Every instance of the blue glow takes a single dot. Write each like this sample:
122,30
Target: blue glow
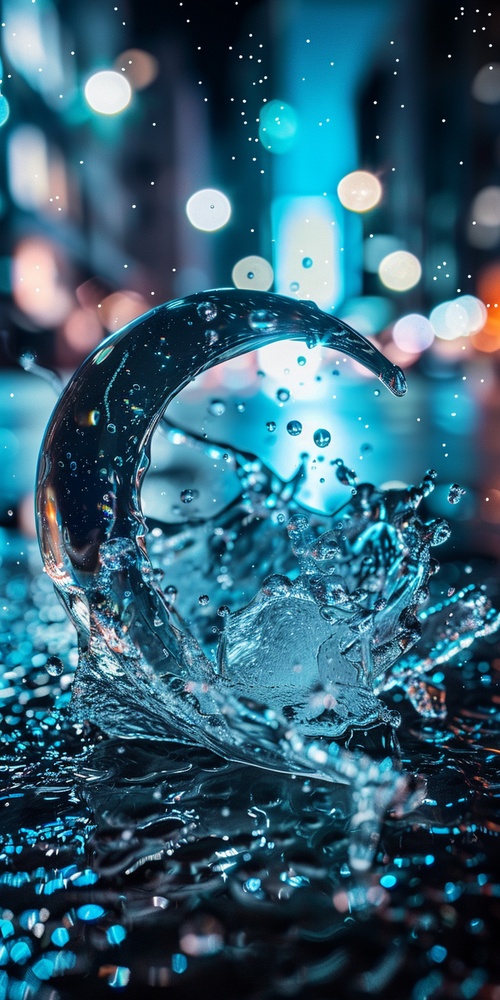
252,884
44,968
59,937
307,234
179,963
91,911
20,952
116,934
4,109
438,953
87,877
388,881
277,126
120,977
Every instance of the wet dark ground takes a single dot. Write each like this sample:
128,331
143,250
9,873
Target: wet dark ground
157,869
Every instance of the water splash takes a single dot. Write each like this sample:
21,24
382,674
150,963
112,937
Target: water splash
310,651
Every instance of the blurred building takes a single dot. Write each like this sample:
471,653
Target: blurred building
271,105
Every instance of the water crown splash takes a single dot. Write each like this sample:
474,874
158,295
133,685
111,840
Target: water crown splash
307,655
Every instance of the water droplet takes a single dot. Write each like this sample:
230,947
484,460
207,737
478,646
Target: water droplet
307,262
301,360
203,599
294,286
262,320
250,274
171,593
345,476
217,407
271,426
283,395
207,311
187,496
322,437
240,407
111,428
455,493
223,611
294,427
54,666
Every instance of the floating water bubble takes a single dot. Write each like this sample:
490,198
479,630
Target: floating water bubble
283,395
203,599
54,666
307,262
187,496
294,427
301,361
217,407
455,493
271,426
322,437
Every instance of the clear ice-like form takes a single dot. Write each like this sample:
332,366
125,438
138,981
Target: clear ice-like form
306,656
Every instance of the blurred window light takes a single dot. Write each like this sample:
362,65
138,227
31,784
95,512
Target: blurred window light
108,92
32,42
400,271
278,125
307,249
486,206
359,191
208,209
4,109
253,272
413,333
375,248
486,84
140,68
37,285
28,167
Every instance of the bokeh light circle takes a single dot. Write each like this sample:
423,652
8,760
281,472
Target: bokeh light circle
413,333
277,126
208,209
108,92
253,272
359,191
486,84
486,206
400,271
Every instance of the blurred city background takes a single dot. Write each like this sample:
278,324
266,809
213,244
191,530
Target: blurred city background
346,151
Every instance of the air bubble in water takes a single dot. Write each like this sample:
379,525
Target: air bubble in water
322,437
211,337
187,496
207,311
54,666
217,407
262,320
294,427
455,493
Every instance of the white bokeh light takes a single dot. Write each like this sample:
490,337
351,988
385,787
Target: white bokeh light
359,191
208,209
458,317
400,271
108,92
413,333
253,272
